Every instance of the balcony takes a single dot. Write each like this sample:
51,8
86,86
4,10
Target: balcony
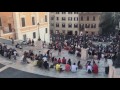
6,30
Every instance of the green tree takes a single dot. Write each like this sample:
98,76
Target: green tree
109,21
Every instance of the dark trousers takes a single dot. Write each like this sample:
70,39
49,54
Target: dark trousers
61,70
2,53
14,57
9,56
106,70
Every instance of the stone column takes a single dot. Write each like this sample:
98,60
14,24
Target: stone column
16,18
1,32
111,72
84,53
38,45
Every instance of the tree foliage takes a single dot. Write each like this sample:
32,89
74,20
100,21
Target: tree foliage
109,21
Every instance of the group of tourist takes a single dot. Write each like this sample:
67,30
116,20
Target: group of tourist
68,64
73,45
59,64
30,42
8,52
92,68
51,62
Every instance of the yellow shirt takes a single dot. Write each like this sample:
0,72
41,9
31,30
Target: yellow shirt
57,67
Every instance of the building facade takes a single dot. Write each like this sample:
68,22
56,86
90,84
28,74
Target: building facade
25,25
74,22
89,22
7,25
64,22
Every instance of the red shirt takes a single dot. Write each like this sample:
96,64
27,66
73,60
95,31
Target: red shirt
59,61
67,67
64,61
95,69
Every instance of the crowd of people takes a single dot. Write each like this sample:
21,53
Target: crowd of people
98,51
28,42
73,44
8,52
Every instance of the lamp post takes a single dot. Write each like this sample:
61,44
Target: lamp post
38,32
44,37
117,61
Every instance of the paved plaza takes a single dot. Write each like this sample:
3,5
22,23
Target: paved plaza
29,69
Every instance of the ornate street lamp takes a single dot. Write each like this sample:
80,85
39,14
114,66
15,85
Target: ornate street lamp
44,37
38,32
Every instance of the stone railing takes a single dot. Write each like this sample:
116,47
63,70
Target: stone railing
114,72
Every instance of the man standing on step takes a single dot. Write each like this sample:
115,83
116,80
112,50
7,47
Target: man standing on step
32,42
15,54
12,41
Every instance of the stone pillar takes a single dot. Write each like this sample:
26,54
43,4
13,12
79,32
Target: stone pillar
38,45
16,18
84,53
114,72
1,32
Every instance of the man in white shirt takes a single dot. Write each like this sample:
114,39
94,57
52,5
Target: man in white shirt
15,54
102,56
89,68
74,68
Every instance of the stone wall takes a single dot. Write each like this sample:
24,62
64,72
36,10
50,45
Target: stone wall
113,72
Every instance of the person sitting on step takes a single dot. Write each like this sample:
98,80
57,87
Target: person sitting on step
63,60
89,68
67,67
